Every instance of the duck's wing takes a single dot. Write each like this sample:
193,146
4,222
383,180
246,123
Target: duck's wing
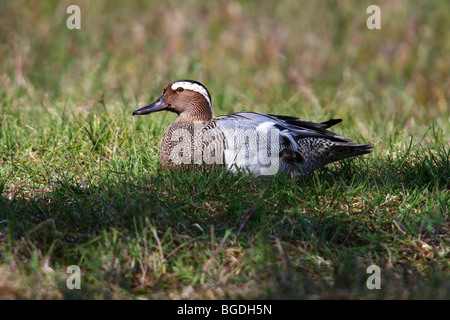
294,145
295,127
308,124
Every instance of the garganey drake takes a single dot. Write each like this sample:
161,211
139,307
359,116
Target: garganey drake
259,143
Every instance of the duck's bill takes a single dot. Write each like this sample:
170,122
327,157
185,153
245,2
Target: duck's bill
158,105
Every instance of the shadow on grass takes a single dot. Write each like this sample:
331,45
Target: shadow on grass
306,238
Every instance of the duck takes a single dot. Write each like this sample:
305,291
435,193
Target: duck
256,143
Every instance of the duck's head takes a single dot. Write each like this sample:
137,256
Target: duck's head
187,98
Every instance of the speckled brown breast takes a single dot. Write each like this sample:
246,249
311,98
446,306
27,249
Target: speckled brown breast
188,143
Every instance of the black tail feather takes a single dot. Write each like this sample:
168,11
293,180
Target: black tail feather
331,122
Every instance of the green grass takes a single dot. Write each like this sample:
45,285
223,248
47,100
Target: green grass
80,181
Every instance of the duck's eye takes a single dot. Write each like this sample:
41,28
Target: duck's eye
180,89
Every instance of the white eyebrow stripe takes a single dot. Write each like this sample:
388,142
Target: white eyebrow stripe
194,87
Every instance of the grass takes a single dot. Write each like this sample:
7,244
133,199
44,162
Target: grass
80,182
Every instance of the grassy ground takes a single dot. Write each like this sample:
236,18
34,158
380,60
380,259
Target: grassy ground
79,176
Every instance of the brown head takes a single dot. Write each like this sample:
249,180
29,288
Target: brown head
187,98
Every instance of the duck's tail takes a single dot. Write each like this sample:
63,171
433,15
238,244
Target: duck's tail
320,152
